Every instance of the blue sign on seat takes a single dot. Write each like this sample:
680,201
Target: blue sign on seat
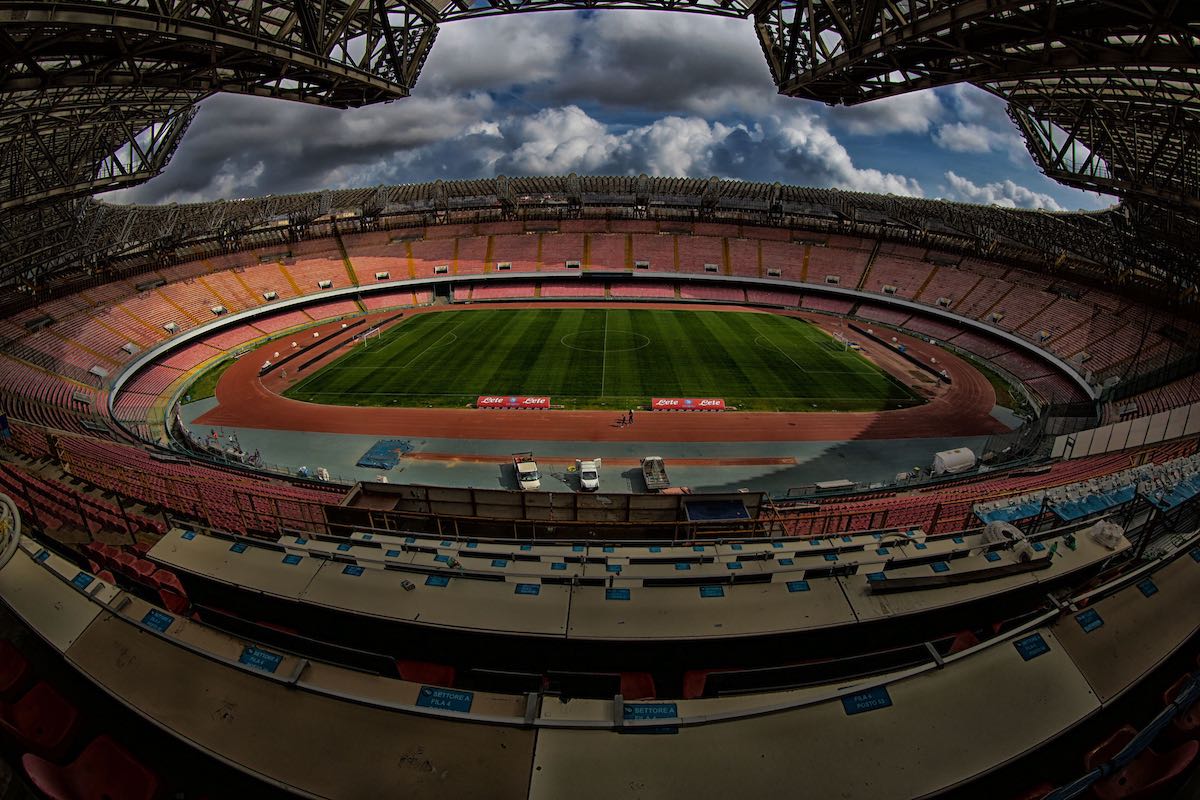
1039,546
410,539
777,545
526,547
445,699
735,547
499,563
301,541
616,594
239,547
712,591
940,566
609,549
797,586
260,659
443,559
82,580
445,543
655,549
472,545
786,562
870,700
437,580
991,556
531,589
651,711
1147,587
291,559
881,551
1089,620
734,565
392,554
1196,554
1031,646
920,545
353,570
612,567
344,548
875,577
699,548
831,557
189,535
957,540
576,548
41,556
681,567
157,620
558,565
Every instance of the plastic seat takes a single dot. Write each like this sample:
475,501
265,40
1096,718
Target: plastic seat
175,603
104,770
42,721
425,672
166,579
1186,724
1145,776
15,672
637,686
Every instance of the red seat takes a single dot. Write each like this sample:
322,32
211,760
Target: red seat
637,686
425,672
1186,724
1143,777
1036,792
175,603
104,769
694,681
165,579
42,721
15,672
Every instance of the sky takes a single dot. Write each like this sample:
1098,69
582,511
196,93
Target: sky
609,93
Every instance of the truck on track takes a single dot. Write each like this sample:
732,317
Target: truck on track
589,474
654,472
528,477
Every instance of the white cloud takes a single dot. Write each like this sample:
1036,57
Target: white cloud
999,193
910,113
963,137
561,140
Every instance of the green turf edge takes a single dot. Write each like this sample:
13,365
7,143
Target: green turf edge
908,398
205,386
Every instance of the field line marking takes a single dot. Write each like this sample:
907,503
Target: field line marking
767,339
604,353
432,345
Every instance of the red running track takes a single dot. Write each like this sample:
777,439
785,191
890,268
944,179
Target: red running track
963,409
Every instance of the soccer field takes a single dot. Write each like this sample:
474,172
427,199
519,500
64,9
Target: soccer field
605,358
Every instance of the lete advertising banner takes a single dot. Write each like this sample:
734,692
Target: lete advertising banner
509,401
687,404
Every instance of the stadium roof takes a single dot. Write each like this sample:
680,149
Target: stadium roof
96,95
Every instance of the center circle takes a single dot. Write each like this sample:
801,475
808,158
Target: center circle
600,340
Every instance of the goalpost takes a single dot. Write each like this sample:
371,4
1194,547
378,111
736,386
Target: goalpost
365,337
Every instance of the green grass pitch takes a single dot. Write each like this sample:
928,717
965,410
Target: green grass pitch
598,358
